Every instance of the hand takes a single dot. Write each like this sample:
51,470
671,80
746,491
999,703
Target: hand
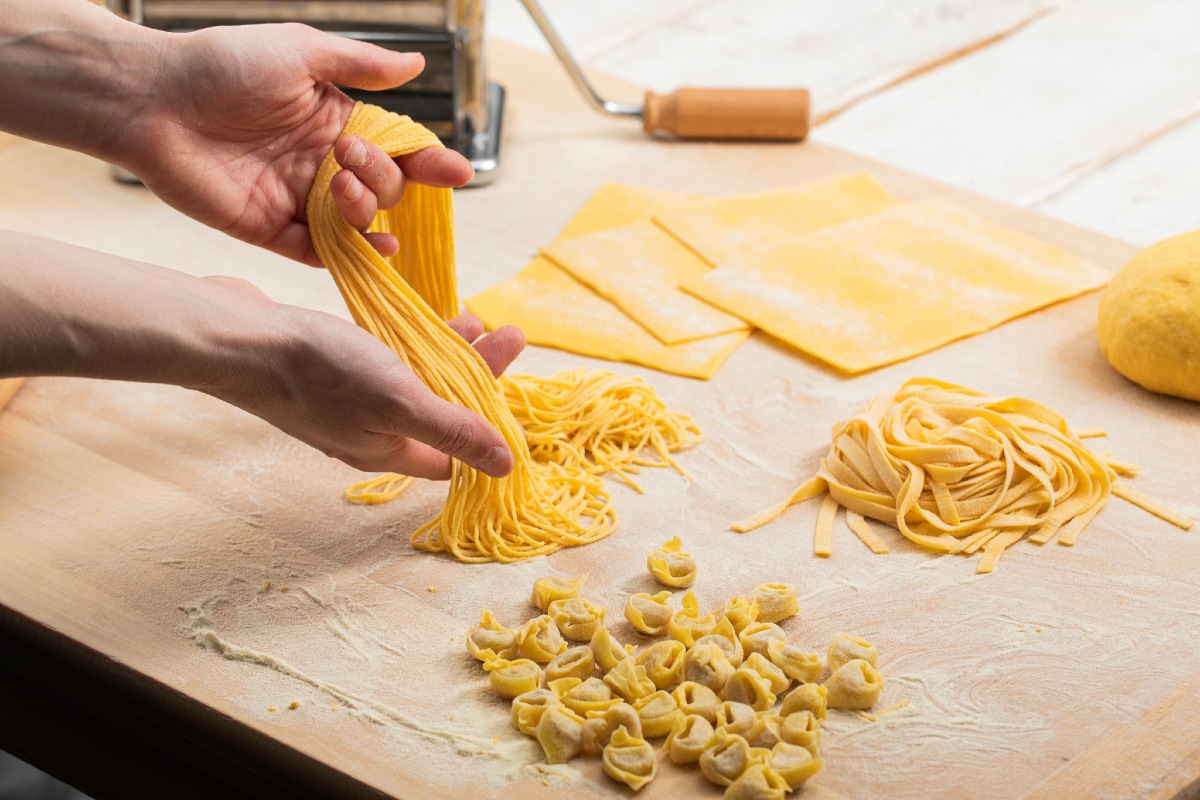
239,118
337,388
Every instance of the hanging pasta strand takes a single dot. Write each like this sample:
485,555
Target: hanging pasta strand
958,471
537,508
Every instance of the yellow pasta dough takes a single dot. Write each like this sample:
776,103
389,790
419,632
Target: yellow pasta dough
560,733
649,613
707,664
629,759
688,624
607,650
896,284
696,698
810,697
739,718
551,587
658,712
775,601
527,709
574,662
794,764
843,647
690,736
540,640
576,618
671,566
803,729
511,678
747,686
639,268
663,662
759,782
959,471
601,725
490,639
854,685
727,758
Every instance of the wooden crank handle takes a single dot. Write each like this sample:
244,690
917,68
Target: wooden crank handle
762,114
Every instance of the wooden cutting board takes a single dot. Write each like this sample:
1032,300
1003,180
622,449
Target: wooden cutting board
139,523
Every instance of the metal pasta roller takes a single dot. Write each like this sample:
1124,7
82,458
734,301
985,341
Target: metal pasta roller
452,97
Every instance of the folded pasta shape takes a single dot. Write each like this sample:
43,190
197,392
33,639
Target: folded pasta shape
601,725
740,611
757,636
747,686
511,678
657,712
758,782
489,639
843,647
728,757
663,661
739,718
706,664
811,697
803,729
772,674
576,618
854,685
776,601
574,662
649,613
549,588
697,699
560,733
629,680
527,709
690,736
607,650
540,640
688,624
797,664
671,566
629,759
794,764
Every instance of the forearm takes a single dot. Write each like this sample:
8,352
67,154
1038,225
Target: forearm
66,310
72,73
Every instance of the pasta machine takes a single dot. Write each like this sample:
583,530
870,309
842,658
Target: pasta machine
452,96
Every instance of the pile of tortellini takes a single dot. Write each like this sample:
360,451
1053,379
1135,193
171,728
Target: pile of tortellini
726,688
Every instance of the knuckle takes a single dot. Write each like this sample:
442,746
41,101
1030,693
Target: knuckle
457,438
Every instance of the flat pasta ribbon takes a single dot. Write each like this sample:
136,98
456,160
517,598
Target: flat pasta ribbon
958,471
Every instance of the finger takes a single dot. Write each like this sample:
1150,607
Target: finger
437,166
501,347
362,65
373,167
385,243
459,433
468,326
357,204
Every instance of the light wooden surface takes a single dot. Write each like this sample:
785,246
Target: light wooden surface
1082,109
133,516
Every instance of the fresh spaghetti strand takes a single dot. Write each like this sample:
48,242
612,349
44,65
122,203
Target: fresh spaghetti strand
531,511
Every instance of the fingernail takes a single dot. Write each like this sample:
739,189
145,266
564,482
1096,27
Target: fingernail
356,155
354,190
497,463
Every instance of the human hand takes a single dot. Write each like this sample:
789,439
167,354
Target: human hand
238,119
335,387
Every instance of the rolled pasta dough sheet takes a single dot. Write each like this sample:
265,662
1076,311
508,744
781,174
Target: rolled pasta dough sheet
911,278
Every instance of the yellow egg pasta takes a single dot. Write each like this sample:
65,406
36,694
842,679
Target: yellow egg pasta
404,301
958,471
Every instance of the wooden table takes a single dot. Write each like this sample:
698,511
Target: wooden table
138,523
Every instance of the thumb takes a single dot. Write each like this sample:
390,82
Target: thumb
361,65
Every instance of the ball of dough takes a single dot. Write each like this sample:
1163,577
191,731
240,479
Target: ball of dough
1149,323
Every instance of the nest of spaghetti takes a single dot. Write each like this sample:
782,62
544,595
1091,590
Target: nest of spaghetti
958,471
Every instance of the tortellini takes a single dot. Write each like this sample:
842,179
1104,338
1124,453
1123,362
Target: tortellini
726,760
527,709
649,613
690,736
705,663
539,639
758,782
560,733
776,601
672,567
663,662
511,678
550,588
688,624
601,725
710,687
606,650
657,712
574,662
576,618
843,647
854,685
806,697
490,639
629,759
